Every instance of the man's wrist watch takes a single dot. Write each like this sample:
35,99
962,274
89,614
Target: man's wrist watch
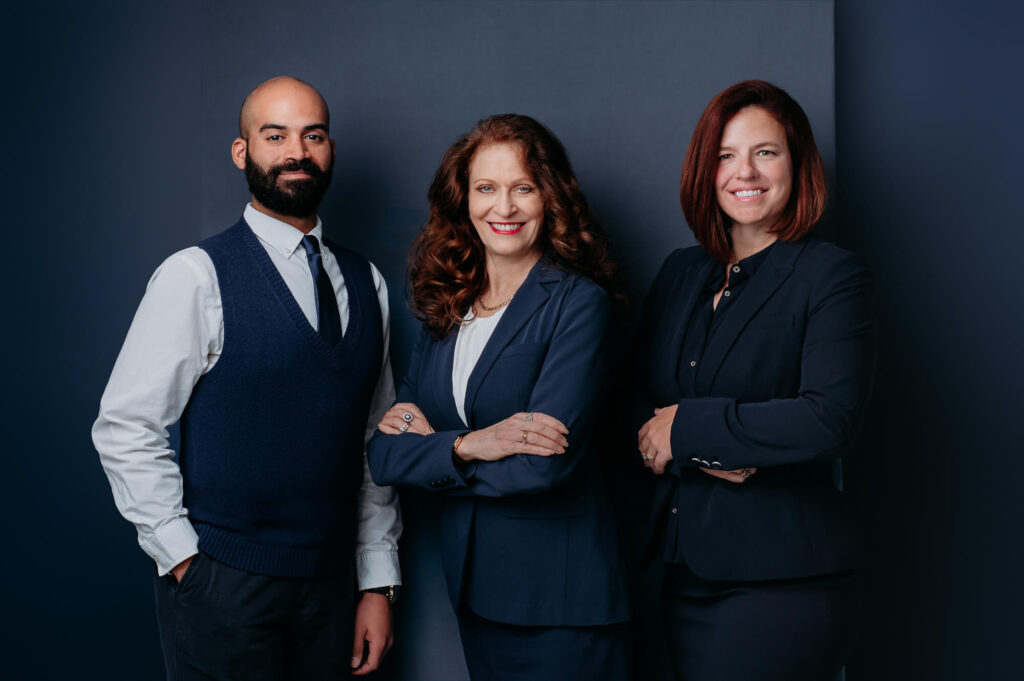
391,592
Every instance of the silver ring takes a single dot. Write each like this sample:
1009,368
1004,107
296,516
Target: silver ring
404,427
647,457
529,417
408,417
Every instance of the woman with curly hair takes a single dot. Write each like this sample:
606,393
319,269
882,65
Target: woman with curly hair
497,413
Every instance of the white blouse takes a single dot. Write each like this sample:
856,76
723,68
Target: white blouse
469,345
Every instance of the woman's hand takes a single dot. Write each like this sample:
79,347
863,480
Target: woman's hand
655,445
523,433
654,439
739,476
404,417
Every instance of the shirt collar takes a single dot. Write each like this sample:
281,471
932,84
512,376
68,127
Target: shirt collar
741,271
279,235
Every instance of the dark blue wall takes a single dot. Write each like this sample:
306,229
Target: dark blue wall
930,178
108,131
102,113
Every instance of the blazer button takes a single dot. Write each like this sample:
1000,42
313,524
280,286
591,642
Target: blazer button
716,464
695,460
705,464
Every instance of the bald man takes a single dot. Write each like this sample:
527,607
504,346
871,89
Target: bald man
270,345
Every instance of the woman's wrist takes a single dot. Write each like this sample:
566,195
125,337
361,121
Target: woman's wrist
456,453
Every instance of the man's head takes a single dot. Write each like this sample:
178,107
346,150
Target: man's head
284,148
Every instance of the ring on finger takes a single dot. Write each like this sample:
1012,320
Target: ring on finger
745,473
524,438
408,417
528,417
404,427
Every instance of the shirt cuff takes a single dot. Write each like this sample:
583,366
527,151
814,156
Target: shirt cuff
377,568
172,543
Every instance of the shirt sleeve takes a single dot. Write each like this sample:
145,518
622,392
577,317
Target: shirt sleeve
380,517
175,337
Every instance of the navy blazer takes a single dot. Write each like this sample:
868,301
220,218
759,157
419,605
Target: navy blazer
782,385
526,540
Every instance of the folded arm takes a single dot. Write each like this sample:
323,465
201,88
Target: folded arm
821,421
567,389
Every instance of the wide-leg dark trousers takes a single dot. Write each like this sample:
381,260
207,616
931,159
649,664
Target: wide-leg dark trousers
225,624
786,630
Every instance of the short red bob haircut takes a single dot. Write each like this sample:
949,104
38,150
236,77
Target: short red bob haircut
697,187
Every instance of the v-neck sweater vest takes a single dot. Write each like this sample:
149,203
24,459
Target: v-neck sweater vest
272,437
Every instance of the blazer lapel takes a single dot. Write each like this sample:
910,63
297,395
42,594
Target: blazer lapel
686,292
531,295
762,285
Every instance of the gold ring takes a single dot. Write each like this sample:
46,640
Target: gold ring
524,438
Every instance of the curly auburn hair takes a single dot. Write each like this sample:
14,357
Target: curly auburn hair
697,187
447,261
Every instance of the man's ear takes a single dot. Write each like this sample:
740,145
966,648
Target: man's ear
238,149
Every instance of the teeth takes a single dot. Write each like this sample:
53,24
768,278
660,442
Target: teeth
506,226
748,192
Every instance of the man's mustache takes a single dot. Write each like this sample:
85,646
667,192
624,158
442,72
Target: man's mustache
305,165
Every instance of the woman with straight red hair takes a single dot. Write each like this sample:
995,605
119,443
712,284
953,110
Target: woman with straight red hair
757,352
499,410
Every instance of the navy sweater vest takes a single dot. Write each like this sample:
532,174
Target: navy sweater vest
272,437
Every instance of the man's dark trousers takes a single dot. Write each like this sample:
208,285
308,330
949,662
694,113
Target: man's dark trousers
226,624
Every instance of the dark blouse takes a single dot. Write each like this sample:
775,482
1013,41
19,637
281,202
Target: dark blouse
700,332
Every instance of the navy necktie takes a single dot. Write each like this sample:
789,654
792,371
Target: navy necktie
328,319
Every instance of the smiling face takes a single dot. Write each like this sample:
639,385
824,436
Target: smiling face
755,172
284,148
505,204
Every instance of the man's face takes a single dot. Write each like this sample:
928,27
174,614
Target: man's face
286,153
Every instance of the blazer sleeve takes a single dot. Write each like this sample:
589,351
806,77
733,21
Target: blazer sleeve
821,422
568,388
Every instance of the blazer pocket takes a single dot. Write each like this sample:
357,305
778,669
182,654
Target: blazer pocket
769,322
523,350
564,505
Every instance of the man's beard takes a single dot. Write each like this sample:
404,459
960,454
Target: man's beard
298,198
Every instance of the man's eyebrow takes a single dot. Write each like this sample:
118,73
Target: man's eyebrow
278,126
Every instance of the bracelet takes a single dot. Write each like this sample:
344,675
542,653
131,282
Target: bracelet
455,446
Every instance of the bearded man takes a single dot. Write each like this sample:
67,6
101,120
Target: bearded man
270,345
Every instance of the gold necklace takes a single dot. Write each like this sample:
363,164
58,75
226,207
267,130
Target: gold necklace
480,302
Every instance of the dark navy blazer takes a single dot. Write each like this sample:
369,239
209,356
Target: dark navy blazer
782,385
526,540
